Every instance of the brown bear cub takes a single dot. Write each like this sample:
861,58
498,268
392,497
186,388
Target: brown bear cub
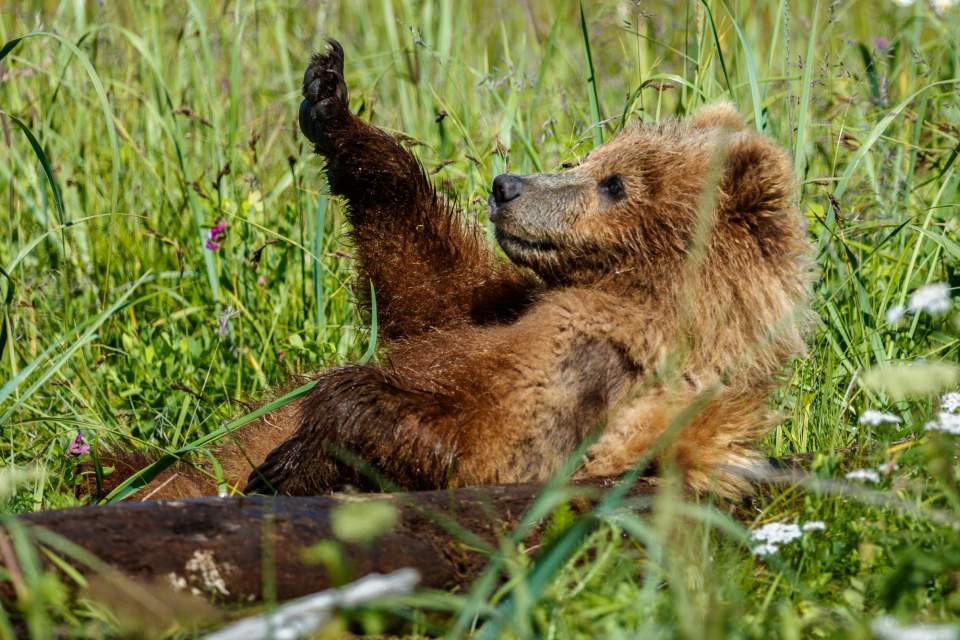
657,289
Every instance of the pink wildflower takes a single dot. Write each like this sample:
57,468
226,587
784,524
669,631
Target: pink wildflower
78,447
217,233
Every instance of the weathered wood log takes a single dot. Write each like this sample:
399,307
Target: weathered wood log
222,547
233,549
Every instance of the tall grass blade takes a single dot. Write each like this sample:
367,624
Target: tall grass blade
592,81
799,149
374,331
7,303
719,48
755,98
321,316
44,163
871,71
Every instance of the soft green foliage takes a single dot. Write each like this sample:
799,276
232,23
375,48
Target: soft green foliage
130,128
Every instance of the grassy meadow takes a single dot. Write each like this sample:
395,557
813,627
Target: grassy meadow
131,129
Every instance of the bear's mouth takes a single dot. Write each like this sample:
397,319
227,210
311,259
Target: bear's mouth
517,246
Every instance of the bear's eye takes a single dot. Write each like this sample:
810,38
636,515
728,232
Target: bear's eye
613,187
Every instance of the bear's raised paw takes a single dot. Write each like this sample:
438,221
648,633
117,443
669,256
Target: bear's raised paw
324,92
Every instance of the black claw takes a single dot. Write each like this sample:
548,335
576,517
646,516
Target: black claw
336,53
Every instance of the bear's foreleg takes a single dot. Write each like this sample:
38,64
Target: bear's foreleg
429,269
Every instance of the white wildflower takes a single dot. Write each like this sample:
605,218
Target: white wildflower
932,298
949,421
946,422
895,314
867,475
876,418
887,628
904,3
950,402
941,6
775,534
765,549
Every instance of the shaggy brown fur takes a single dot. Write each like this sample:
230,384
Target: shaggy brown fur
670,270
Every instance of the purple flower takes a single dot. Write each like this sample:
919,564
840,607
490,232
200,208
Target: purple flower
217,233
78,447
881,44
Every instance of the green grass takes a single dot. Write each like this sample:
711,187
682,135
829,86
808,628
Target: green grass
128,129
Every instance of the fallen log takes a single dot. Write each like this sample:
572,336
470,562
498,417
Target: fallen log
232,550
245,550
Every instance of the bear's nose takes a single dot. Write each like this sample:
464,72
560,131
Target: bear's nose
506,187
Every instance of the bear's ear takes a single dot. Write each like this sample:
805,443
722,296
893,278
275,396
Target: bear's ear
719,115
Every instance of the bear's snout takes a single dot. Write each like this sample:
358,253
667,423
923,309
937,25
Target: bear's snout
506,187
